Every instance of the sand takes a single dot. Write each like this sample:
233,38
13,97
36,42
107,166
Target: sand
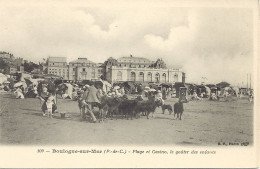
204,123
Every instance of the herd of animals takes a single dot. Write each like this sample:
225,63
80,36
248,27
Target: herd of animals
110,107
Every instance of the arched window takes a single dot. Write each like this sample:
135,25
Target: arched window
119,76
164,77
141,76
132,76
175,77
149,77
157,77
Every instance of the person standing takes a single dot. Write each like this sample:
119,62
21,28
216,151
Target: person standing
164,96
92,97
43,98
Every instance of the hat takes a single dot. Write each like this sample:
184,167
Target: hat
44,89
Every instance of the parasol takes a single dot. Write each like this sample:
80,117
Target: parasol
18,84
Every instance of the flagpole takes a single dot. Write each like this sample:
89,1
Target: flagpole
247,81
250,80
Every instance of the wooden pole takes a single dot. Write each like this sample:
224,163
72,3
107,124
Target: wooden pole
250,80
247,81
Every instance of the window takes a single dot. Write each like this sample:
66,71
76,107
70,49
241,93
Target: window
149,77
84,69
132,76
141,76
74,69
164,77
175,77
157,77
119,75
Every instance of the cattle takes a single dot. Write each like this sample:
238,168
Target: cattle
178,109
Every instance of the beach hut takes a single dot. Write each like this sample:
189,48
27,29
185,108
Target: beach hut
2,78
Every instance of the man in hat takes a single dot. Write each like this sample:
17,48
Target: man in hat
92,96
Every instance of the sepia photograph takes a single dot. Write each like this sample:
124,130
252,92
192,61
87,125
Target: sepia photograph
127,73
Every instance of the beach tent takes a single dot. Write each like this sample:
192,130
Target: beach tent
20,84
68,91
30,81
207,90
2,78
106,86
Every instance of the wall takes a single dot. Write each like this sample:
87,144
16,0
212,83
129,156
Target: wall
171,75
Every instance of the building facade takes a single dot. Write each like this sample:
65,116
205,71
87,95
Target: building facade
58,66
83,69
123,74
138,69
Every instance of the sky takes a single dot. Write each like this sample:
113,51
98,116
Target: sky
216,43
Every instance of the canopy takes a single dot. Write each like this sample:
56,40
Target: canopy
116,87
98,84
20,84
30,81
6,82
147,88
2,78
166,84
106,86
69,90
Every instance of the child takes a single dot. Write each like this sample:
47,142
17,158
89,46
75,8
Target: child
50,105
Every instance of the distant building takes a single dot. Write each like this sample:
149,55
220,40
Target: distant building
101,70
58,66
11,69
13,65
84,69
137,69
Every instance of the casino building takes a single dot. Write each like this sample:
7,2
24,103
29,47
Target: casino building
139,69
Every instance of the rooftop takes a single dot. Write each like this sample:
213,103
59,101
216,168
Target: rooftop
57,59
131,59
82,60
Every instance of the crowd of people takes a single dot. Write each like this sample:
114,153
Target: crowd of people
92,94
